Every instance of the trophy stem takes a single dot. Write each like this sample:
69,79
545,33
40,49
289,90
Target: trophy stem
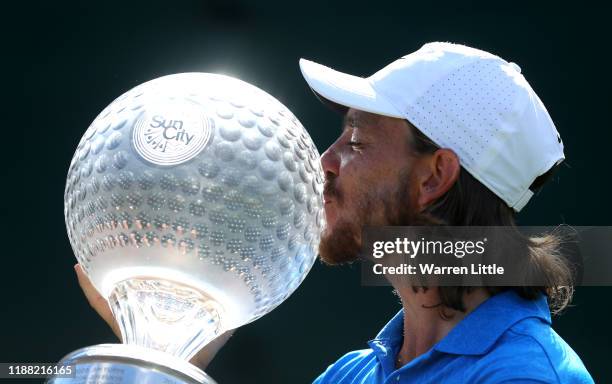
165,315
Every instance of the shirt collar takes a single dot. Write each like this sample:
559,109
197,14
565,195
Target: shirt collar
481,328
388,341
475,334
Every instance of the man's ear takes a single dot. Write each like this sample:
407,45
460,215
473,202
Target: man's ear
439,172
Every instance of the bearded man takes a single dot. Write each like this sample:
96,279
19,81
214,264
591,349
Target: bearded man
447,135
453,135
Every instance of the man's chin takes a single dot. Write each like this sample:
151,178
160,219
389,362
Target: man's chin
340,245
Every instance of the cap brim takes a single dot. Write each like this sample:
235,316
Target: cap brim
344,89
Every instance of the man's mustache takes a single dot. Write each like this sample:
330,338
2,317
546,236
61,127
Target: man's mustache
330,189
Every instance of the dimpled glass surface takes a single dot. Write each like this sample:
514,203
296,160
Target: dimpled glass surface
237,219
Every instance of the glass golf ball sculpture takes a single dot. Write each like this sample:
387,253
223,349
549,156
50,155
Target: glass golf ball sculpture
194,204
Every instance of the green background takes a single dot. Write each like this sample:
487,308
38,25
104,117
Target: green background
78,56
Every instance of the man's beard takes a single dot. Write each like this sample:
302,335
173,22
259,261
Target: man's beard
343,244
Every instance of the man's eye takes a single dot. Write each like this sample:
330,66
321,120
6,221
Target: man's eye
354,144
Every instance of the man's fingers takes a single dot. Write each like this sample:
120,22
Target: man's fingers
96,300
206,354
84,282
91,293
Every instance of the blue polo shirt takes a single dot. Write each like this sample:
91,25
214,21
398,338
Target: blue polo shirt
506,339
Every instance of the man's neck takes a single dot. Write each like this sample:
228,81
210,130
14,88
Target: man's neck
423,324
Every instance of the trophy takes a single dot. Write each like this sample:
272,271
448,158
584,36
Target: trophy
194,204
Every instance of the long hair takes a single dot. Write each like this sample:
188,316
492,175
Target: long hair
469,203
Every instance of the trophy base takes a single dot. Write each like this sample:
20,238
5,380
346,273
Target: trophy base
127,364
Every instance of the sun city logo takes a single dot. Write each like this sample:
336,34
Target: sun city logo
170,130
171,136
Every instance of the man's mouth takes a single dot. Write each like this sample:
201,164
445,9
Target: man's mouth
329,209
330,193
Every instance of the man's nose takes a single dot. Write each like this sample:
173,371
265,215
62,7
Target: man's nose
330,161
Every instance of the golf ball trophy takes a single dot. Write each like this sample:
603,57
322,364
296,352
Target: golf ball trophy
194,205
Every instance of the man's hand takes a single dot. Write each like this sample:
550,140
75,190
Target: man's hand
100,305
96,300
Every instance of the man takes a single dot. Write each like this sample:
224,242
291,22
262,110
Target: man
447,135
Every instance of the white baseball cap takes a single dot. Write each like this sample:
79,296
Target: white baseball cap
464,99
